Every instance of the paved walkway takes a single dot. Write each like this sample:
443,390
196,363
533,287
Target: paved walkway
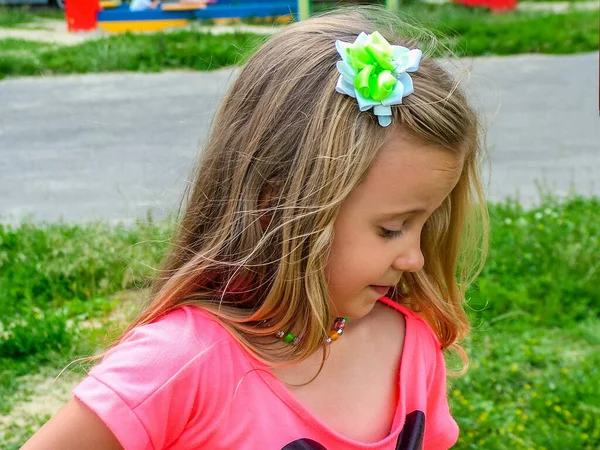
114,146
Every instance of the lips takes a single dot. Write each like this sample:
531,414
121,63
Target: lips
381,290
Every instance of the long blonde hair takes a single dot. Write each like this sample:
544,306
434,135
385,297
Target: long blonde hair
283,131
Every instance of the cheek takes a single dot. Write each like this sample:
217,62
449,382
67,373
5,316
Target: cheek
354,260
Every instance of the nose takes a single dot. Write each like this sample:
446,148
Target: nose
410,260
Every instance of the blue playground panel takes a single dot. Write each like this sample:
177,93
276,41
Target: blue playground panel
122,13
246,8
221,9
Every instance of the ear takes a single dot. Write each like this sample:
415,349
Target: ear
267,200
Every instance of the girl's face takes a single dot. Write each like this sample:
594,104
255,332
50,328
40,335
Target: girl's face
378,229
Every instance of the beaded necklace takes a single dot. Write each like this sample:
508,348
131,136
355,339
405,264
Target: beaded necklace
338,329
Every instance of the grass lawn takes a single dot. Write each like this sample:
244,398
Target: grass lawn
534,348
16,17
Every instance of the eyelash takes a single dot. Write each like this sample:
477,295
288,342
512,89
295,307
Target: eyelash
390,234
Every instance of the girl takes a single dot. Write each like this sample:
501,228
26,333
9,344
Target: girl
319,269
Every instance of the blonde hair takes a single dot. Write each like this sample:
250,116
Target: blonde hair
283,132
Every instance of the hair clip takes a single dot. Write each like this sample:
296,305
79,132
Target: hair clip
375,73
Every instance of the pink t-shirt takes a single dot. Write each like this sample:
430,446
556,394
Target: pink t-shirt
183,382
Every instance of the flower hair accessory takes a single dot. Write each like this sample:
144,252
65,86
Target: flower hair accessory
375,73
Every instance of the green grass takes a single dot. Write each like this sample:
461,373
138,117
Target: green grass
12,45
145,53
543,263
535,345
467,32
17,17
58,273
477,32
13,17
15,435
530,388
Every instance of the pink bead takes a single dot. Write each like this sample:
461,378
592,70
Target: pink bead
339,324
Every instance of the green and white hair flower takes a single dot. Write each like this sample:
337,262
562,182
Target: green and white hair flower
375,73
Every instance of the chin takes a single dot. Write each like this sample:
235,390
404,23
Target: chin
360,311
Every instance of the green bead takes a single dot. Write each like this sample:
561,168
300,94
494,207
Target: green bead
289,338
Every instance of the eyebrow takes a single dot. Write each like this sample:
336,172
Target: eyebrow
395,215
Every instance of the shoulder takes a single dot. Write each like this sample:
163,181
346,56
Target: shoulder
188,325
414,323
172,364
386,318
176,347
178,337
420,341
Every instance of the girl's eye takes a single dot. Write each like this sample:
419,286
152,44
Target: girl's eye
390,234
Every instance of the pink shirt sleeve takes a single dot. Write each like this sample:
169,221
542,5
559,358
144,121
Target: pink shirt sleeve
136,389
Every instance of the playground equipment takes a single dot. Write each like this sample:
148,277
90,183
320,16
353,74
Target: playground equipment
81,16
110,16
121,19
115,17
494,5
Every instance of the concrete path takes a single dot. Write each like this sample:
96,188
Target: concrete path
117,145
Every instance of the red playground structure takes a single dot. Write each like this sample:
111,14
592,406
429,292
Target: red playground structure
494,5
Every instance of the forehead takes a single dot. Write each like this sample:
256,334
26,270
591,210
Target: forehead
407,174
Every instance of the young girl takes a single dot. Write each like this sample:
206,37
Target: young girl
319,269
